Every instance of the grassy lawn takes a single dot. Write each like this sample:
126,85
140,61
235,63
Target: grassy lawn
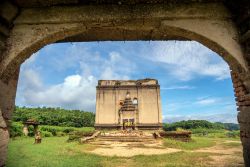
55,152
195,143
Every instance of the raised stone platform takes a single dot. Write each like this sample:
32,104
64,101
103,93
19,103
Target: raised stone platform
125,136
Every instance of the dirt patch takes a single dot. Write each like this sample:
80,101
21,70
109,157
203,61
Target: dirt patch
126,149
221,149
125,152
228,156
223,154
226,161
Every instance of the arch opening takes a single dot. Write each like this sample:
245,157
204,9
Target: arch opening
218,34
167,88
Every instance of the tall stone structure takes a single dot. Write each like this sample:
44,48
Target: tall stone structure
128,104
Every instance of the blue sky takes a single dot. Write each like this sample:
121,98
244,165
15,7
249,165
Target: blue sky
195,82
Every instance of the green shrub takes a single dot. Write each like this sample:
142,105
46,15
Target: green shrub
59,134
205,131
50,129
16,129
233,134
46,134
31,131
68,130
76,135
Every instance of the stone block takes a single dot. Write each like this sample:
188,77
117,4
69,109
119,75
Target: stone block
4,139
8,11
244,116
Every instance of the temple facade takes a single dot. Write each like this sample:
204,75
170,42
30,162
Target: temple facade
128,104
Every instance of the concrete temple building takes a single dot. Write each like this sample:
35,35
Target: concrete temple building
128,104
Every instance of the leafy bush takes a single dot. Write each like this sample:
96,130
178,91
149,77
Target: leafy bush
75,136
180,130
46,134
233,134
67,130
59,134
53,130
16,129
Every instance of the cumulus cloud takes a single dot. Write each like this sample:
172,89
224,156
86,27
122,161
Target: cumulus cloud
207,101
76,91
185,60
184,87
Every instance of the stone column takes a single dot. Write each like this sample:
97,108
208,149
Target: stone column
25,130
121,122
241,84
7,104
4,139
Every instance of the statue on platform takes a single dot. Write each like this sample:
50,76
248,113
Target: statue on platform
38,138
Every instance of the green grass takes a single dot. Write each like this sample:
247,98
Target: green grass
187,159
195,143
61,128
56,152
215,133
231,144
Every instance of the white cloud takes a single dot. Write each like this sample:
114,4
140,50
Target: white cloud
76,91
185,60
207,101
184,87
116,67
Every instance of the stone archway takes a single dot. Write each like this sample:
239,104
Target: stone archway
208,23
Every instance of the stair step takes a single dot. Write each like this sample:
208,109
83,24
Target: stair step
141,137
125,139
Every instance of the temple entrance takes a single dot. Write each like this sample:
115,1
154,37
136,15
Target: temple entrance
128,113
129,124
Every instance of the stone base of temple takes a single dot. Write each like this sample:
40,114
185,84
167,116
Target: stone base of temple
108,126
125,136
149,126
121,127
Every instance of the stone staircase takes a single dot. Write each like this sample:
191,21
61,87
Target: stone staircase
121,136
126,138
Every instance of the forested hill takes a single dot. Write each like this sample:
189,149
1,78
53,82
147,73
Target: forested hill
77,118
194,124
55,116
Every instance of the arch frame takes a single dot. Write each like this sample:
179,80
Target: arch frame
208,23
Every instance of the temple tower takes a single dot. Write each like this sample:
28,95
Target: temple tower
128,104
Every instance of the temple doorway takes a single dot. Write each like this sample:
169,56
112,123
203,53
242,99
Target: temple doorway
129,124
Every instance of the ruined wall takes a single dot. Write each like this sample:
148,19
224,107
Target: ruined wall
110,93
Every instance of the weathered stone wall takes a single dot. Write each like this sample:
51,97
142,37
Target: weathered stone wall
8,11
7,104
241,78
243,102
109,94
36,27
